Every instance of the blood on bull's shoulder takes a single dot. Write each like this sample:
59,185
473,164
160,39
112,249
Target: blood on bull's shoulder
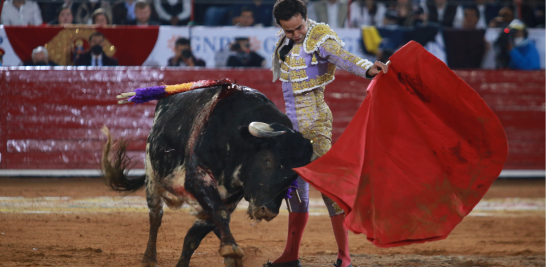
210,148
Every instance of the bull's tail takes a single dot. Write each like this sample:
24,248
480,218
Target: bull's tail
115,169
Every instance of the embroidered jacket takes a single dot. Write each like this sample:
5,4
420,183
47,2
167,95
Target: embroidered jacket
305,71
312,63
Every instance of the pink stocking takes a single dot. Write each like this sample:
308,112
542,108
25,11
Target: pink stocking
296,225
342,239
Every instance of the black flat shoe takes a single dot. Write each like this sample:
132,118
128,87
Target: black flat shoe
295,263
338,263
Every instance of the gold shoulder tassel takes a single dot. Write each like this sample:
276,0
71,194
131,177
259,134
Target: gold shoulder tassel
314,60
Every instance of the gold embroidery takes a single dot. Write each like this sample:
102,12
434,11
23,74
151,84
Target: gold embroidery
314,60
317,35
284,67
315,119
321,80
297,63
285,77
334,48
337,209
296,75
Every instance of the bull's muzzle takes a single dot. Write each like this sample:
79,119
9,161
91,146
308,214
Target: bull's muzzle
264,213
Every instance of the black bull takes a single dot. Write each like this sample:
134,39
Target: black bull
209,148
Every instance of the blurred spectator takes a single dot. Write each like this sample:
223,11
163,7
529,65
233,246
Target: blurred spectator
246,18
262,12
524,11
100,18
471,18
523,52
173,12
217,15
244,57
367,12
514,50
402,9
123,12
51,9
385,50
95,57
143,11
21,12
488,10
418,17
331,12
85,11
506,15
64,16
183,55
445,13
40,58
465,48
423,31
391,17
539,10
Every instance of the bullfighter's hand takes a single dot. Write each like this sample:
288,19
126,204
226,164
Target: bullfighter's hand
377,67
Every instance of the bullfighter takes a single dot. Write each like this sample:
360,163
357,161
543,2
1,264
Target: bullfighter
305,59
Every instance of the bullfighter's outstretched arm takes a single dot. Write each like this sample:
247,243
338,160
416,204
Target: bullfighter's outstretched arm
340,57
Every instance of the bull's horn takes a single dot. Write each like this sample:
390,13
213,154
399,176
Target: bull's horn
263,130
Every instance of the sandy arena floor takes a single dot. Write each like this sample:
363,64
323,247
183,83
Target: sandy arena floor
80,222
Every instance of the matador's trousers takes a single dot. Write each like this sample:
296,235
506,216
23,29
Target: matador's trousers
312,117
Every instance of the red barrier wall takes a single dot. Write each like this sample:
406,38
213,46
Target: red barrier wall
51,118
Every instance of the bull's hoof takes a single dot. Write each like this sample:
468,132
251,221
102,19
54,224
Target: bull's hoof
232,251
233,262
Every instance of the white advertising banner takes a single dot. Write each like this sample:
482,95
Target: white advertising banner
212,44
9,58
164,46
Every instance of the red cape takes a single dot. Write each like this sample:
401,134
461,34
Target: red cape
419,154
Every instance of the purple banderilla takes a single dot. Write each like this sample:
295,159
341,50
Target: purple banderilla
293,186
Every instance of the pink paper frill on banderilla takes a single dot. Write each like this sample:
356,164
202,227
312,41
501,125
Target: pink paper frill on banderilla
419,154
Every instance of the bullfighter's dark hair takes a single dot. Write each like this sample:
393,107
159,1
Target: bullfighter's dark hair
95,34
182,41
286,9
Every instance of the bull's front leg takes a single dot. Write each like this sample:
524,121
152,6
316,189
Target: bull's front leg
203,187
193,239
155,206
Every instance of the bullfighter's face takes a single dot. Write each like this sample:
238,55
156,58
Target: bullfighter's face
295,28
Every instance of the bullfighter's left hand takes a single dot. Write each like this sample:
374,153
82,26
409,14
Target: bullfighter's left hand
377,67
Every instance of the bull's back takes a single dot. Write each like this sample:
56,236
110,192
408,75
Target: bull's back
217,114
